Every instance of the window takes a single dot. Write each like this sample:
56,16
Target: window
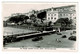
54,8
70,14
74,17
48,17
51,17
75,24
55,18
54,14
64,14
48,14
60,14
51,14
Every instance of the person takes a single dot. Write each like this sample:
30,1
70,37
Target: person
58,40
70,33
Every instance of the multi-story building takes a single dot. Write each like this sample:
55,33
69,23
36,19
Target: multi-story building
52,16
61,12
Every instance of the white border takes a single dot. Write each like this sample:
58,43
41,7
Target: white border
42,1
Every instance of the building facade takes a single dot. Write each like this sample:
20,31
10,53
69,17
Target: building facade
53,14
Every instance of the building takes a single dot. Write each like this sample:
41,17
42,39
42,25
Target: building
61,12
52,16
30,13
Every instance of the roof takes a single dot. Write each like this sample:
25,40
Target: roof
66,6
59,7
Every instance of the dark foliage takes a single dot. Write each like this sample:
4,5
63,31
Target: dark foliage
49,24
41,15
18,18
63,21
33,17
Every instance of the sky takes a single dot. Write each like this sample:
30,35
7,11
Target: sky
9,8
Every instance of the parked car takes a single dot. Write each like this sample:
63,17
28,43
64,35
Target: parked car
64,36
58,33
74,32
37,38
72,38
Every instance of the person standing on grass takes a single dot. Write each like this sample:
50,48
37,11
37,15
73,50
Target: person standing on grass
58,40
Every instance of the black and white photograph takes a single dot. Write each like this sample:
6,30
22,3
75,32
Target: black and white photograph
39,25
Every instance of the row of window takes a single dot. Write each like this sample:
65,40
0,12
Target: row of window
66,14
73,17
52,18
61,14
51,14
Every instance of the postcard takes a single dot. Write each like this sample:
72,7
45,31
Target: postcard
39,26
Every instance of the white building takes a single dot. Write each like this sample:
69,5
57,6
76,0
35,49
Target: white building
53,14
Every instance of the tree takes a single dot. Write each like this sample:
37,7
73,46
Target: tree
33,17
71,21
67,21
41,16
60,21
50,22
25,18
64,22
18,18
13,19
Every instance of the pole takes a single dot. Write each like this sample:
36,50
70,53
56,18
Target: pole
59,29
